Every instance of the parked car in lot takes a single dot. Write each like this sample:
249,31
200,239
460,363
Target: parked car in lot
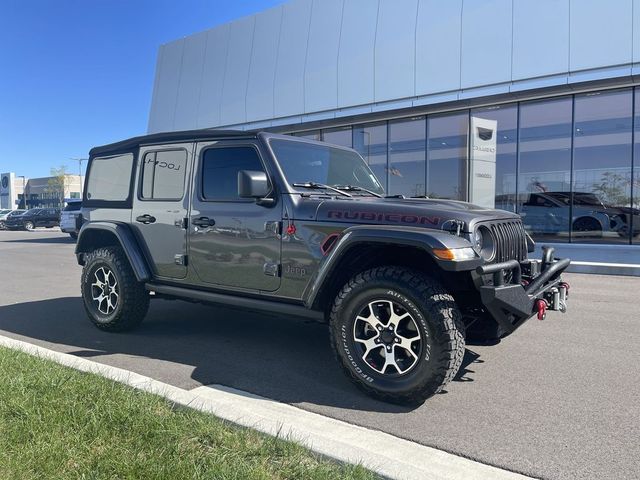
68,217
36,217
5,214
268,222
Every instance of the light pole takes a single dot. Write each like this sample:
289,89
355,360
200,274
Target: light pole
24,190
80,160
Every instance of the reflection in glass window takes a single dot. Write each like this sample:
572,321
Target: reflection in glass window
370,141
406,172
635,186
338,136
494,139
544,179
602,167
447,156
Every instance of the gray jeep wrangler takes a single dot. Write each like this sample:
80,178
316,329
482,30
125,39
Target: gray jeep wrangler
269,222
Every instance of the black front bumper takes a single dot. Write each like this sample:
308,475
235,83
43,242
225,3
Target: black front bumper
513,292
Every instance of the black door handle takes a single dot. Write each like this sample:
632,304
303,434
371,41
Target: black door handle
203,222
146,219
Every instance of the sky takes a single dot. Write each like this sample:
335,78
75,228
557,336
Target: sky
79,73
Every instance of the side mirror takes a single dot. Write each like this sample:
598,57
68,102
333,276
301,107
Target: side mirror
253,184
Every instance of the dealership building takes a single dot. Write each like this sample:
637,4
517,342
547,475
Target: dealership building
17,191
525,105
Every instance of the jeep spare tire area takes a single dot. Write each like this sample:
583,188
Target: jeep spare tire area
113,299
398,334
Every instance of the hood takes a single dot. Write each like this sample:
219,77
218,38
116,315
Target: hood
429,213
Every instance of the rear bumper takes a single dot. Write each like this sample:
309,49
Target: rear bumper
534,287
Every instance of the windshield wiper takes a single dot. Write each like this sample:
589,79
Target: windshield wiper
320,186
353,188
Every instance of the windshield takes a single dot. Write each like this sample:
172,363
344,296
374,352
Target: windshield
304,162
587,199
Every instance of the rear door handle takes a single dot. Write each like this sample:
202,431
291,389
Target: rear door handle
203,222
146,219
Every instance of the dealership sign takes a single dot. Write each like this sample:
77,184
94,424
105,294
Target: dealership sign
7,193
484,147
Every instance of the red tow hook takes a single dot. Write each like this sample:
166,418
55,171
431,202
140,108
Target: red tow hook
541,305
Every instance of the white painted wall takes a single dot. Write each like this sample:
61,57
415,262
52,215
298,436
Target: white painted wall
309,59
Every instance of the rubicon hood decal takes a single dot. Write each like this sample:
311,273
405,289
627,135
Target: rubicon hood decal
383,217
438,214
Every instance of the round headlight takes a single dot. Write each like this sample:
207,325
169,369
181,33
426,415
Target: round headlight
484,243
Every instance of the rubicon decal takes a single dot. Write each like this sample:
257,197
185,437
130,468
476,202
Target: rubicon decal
383,217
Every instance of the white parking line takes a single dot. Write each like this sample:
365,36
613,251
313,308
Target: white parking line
385,454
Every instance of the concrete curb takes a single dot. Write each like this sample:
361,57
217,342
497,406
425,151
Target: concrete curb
385,454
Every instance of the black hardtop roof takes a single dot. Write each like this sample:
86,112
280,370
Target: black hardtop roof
168,137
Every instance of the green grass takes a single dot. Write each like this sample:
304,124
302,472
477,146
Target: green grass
58,423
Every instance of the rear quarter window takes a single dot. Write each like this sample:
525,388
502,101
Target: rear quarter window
109,179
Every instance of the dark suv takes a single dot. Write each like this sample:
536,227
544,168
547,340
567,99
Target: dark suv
36,217
269,222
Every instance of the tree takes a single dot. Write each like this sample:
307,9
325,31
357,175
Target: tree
58,183
613,188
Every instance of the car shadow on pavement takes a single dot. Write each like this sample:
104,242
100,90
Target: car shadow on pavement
283,358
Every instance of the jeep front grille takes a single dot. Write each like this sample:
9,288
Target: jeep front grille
511,240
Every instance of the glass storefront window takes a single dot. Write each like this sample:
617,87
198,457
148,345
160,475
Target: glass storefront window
544,178
519,157
407,157
447,155
601,194
310,135
494,140
338,136
370,141
635,186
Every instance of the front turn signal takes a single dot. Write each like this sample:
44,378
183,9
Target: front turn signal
455,254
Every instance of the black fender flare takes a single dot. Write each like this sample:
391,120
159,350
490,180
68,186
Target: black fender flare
125,238
423,238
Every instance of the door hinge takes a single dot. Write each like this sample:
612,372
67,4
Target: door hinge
180,260
272,269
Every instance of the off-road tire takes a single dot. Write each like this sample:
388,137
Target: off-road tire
439,321
133,300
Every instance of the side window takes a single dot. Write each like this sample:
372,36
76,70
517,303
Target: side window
109,178
163,175
220,167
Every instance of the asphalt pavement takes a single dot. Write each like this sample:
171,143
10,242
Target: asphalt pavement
558,399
